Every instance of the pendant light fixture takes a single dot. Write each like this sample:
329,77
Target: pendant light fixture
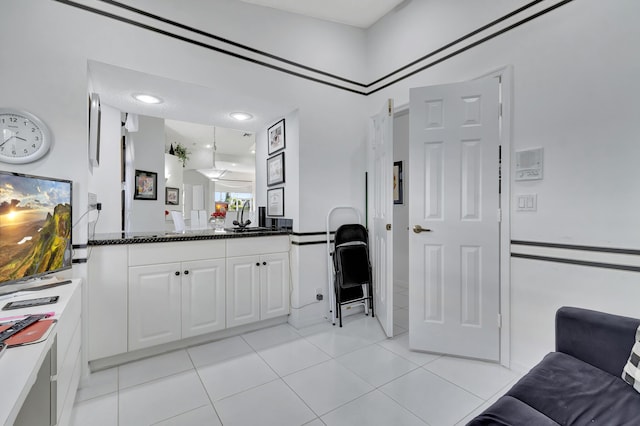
216,173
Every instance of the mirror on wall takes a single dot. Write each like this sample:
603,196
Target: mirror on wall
184,113
205,164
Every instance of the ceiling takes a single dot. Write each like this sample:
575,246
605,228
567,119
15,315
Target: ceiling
190,112
358,13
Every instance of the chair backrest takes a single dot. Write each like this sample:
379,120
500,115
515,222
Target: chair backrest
350,233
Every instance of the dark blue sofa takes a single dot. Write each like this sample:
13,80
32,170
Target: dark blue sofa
580,383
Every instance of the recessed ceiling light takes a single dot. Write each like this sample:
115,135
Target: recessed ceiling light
207,146
147,99
253,151
241,116
234,164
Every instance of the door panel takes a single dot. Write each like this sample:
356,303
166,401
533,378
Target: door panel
381,236
154,305
203,297
274,285
243,293
454,266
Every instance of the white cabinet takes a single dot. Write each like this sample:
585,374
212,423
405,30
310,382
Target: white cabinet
243,290
274,285
174,301
155,308
203,301
144,295
169,301
107,301
257,288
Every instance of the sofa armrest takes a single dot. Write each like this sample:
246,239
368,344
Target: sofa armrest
600,339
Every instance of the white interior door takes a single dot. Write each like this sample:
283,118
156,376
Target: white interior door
454,269
381,236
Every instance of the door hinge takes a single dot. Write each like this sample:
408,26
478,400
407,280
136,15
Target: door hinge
499,321
500,109
390,106
499,215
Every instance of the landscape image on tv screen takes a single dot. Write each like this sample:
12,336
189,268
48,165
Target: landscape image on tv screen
35,226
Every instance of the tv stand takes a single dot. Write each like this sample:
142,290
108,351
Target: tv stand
42,378
31,285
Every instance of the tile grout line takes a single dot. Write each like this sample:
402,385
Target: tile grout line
203,386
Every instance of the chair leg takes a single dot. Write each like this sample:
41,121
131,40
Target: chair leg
365,293
339,306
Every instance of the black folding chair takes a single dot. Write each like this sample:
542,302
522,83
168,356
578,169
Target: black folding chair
353,281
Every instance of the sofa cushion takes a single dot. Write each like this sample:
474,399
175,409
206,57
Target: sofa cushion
508,411
631,371
572,392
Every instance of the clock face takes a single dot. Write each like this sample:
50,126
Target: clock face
23,137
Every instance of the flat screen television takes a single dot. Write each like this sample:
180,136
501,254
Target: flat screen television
35,226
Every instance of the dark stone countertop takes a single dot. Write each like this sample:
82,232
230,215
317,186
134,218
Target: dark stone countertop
195,235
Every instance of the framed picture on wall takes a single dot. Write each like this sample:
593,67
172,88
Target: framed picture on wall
275,169
398,183
172,196
276,135
275,202
146,185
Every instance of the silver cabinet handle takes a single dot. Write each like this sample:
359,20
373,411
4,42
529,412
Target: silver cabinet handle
418,229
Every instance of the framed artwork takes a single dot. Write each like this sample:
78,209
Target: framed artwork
172,196
276,137
398,183
275,169
275,202
146,185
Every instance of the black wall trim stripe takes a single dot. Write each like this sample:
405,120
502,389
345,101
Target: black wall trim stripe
79,246
231,42
82,260
576,247
471,46
459,40
305,234
307,243
311,69
577,262
205,45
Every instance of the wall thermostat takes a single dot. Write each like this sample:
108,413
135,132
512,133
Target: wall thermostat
529,164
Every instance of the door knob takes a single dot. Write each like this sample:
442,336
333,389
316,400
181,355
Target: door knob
418,229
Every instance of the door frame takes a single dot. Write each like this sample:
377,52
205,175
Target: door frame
505,74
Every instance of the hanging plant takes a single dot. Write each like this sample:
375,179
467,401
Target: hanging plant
182,153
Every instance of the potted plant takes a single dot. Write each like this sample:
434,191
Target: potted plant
182,153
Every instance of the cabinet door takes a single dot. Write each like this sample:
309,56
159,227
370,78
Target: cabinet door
274,285
203,301
243,292
154,305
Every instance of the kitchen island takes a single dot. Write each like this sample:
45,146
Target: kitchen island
150,293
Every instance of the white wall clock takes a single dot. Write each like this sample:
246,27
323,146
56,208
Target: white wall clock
24,137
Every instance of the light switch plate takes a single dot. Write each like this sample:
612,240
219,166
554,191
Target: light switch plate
527,202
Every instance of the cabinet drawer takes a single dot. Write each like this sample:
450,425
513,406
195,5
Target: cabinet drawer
147,254
257,245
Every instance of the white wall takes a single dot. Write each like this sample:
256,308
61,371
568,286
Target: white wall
575,90
148,215
104,180
574,94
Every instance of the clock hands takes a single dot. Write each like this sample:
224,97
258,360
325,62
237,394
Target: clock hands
9,138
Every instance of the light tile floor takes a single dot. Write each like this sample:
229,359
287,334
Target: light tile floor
320,375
